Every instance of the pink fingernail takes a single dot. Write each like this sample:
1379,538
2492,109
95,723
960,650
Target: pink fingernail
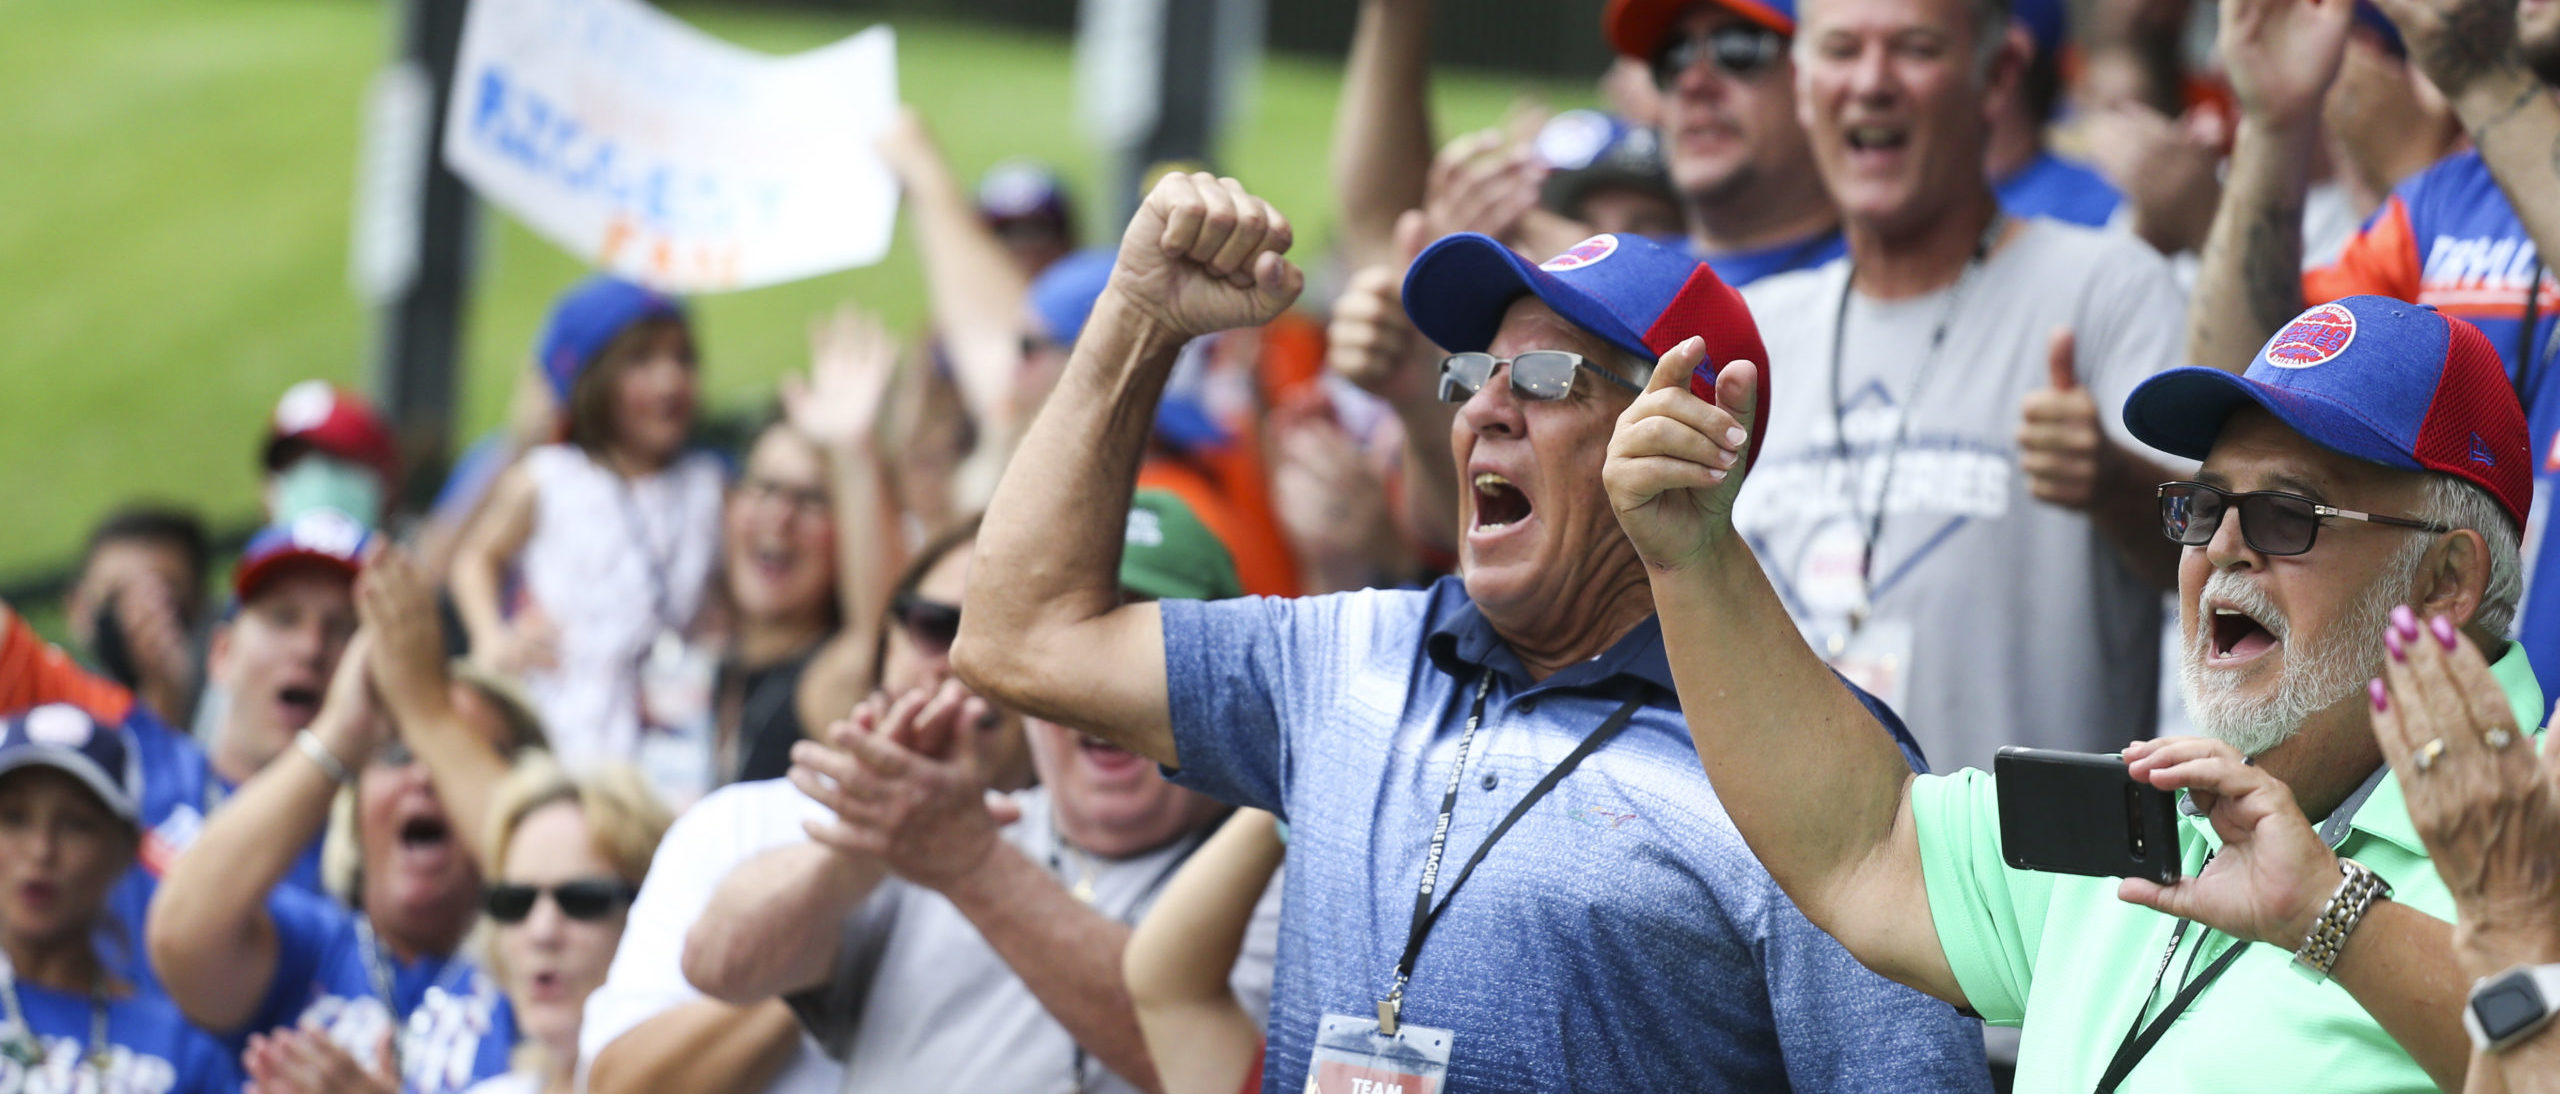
2405,621
2375,689
1715,476
2391,642
2444,630
1735,436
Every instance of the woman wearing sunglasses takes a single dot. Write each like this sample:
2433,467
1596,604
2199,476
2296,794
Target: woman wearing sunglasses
567,856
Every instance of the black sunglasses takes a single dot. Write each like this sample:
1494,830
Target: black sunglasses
1736,51
932,624
586,899
2271,522
1544,375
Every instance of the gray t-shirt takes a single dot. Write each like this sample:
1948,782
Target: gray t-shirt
1989,618
919,1001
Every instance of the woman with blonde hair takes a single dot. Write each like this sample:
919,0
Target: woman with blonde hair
565,858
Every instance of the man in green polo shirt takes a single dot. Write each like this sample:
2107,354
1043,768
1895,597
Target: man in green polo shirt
2362,488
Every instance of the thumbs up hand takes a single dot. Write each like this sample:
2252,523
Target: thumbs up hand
1676,459
2061,447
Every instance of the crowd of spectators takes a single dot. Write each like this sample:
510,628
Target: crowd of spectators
1567,648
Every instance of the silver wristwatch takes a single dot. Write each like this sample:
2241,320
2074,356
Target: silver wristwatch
2511,1006
2338,918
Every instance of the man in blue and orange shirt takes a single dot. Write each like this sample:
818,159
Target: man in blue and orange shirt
2453,237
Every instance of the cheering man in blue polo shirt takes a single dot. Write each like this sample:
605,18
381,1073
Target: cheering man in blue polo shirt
1506,871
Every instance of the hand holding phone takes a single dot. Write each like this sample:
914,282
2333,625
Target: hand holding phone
2083,813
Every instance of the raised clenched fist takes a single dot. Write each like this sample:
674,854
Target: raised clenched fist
1202,255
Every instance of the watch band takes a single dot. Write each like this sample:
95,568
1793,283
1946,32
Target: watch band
309,745
2338,918
2511,1006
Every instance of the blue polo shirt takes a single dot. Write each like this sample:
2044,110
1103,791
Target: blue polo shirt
1620,937
1740,268
2051,186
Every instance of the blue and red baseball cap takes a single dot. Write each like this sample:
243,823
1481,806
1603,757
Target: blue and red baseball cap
1631,292
1062,296
323,538
585,321
2378,379
1586,150
317,416
1636,28
64,737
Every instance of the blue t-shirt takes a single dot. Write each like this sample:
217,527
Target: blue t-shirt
1740,268
459,1028
1620,937
179,787
2053,187
151,1049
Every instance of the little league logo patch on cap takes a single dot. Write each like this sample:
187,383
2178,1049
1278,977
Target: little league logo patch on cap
328,530
2314,337
59,724
1582,254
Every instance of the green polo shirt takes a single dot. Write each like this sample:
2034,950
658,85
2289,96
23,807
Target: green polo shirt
2060,956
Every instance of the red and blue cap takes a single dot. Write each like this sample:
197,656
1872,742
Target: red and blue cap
2378,379
587,318
64,737
1628,291
317,416
321,537
1636,28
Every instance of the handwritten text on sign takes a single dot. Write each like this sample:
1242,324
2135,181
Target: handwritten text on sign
668,156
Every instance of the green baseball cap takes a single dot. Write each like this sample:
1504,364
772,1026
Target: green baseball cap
1169,555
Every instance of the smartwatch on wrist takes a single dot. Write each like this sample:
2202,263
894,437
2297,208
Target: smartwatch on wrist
2511,1006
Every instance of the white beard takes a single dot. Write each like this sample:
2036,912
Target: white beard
2319,670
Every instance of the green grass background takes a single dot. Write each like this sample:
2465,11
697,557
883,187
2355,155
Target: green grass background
176,204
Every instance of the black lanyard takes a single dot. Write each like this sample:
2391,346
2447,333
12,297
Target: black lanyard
2138,1038
1427,914
1902,424
377,969
661,592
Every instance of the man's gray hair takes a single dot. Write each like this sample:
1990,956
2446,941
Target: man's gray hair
1990,19
2459,503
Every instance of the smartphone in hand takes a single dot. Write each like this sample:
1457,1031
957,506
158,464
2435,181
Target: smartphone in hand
2083,813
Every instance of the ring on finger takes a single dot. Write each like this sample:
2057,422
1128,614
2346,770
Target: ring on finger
2427,754
2498,737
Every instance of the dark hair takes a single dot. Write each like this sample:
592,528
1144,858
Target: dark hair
962,531
147,522
2041,85
591,407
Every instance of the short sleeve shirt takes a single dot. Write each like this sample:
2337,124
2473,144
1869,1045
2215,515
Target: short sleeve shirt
150,1048
1897,488
721,832
1620,937
2060,955
458,1028
919,1000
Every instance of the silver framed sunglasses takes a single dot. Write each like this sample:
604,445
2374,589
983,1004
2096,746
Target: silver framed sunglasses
1541,375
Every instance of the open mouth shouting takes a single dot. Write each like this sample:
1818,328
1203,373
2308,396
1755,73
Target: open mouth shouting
298,704
2234,637
1499,504
1875,143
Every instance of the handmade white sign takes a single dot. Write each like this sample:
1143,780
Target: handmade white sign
658,152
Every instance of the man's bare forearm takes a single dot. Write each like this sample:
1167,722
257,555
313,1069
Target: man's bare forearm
2399,966
774,926
1054,533
703,1047
2250,282
2515,125
1068,955
974,290
1811,781
1382,130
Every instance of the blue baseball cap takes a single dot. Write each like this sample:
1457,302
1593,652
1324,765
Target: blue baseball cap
2046,22
585,321
322,537
64,737
2386,33
1062,297
1585,150
1628,291
2378,379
